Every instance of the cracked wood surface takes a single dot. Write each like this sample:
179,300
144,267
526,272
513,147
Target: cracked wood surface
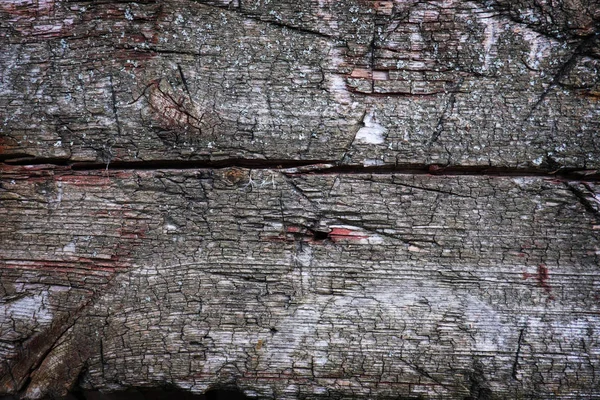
294,285
496,83
318,199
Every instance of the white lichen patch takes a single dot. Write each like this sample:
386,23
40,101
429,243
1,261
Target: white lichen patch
372,132
28,309
336,84
490,332
538,161
69,248
539,47
493,29
372,162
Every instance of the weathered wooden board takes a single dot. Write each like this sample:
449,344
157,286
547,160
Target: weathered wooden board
324,281
470,83
299,285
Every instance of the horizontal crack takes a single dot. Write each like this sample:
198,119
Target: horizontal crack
166,164
322,167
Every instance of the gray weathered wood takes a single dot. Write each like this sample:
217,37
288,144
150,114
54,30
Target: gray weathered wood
470,83
293,285
136,252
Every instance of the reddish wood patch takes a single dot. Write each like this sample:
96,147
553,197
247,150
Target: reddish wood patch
130,232
435,169
27,8
376,75
84,180
36,18
591,94
542,276
339,234
296,233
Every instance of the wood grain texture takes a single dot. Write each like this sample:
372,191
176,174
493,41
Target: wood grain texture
299,285
321,199
495,83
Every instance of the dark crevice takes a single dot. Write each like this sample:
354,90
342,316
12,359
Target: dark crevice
164,164
17,156
194,164
515,368
27,159
184,81
443,117
319,236
322,167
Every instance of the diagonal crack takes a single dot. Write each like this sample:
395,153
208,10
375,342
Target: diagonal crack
584,198
41,345
515,367
564,70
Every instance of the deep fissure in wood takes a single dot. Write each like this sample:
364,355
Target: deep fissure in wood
323,167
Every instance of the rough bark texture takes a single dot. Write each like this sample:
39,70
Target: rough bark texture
320,199
353,81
